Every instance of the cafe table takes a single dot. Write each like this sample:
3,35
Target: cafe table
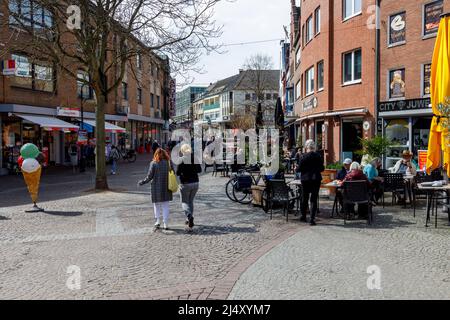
433,198
337,185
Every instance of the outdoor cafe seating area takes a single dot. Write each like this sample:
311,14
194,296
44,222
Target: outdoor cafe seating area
423,195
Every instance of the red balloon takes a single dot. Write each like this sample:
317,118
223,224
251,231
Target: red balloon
20,161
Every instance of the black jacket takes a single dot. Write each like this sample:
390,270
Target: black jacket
341,174
311,166
188,173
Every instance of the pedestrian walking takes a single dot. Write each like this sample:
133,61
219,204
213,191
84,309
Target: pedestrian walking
155,146
188,172
114,156
158,176
310,168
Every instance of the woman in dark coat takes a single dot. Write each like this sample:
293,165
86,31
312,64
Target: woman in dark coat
310,168
158,175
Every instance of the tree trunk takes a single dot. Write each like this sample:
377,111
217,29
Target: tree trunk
101,182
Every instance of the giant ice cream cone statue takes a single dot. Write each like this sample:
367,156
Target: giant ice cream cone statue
33,180
31,170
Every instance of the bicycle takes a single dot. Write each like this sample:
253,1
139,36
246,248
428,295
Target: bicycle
239,187
128,155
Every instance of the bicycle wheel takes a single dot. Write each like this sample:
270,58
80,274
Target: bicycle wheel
242,196
229,189
132,158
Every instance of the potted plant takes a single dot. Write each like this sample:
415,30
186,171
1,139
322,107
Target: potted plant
374,147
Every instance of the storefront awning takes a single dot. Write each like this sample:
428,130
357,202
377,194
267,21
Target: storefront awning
49,123
109,127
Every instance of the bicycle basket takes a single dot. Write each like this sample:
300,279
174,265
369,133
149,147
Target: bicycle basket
244,183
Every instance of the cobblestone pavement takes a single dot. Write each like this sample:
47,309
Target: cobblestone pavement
109,236
331,261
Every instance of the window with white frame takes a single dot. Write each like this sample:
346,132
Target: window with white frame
352,66
310,81
317,20
352,8
320,75
298,90
298,56
309,29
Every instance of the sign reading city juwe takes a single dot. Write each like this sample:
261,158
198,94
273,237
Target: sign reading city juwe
404,105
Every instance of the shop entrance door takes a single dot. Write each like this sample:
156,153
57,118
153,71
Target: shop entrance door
351,135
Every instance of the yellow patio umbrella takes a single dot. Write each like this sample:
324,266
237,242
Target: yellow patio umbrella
440,99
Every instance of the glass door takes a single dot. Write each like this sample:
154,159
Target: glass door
397,130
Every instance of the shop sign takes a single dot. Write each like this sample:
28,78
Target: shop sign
397,28
82,137
405,105
68,112
9,67
311,103
432,16
422,154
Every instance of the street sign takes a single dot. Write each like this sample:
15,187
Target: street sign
68,112
9,67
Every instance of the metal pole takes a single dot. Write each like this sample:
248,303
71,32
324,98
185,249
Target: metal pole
82,164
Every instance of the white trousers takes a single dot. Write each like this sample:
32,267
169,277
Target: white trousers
164,207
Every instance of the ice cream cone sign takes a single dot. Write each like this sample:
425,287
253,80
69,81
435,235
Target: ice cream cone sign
31,170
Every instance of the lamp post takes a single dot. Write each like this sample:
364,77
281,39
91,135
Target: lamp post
82,158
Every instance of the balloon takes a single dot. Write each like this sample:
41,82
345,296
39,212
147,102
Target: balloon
29,151
30,165
20,161
40,158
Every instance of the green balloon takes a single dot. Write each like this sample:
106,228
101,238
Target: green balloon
29,151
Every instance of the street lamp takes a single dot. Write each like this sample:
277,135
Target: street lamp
82,158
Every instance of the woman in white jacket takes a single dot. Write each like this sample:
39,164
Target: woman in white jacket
406,165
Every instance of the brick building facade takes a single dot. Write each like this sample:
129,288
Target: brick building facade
407,38
334,72
37,89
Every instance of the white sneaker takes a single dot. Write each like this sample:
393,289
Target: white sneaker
166,227
157,225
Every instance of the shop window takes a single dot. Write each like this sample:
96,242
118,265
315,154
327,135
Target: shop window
421,135
38,76
397,84
397,29
426,76
431,17
352,64
398,132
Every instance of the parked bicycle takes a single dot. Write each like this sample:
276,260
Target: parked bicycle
239,187
128,155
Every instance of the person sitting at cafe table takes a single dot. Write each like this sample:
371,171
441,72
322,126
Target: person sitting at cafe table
372,173
356,174
345,170
406,165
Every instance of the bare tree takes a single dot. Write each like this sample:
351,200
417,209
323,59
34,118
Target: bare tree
259,81
101,36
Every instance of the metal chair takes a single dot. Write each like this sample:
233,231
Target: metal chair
394,183
420,178
278,192
357,193
219,168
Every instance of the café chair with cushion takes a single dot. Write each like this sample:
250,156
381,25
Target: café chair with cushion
356,193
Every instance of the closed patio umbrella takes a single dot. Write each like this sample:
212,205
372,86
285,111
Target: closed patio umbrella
439,144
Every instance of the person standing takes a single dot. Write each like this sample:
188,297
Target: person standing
188,172
310,168
114,156
158,175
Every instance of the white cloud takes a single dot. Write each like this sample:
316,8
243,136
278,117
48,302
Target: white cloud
245,21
